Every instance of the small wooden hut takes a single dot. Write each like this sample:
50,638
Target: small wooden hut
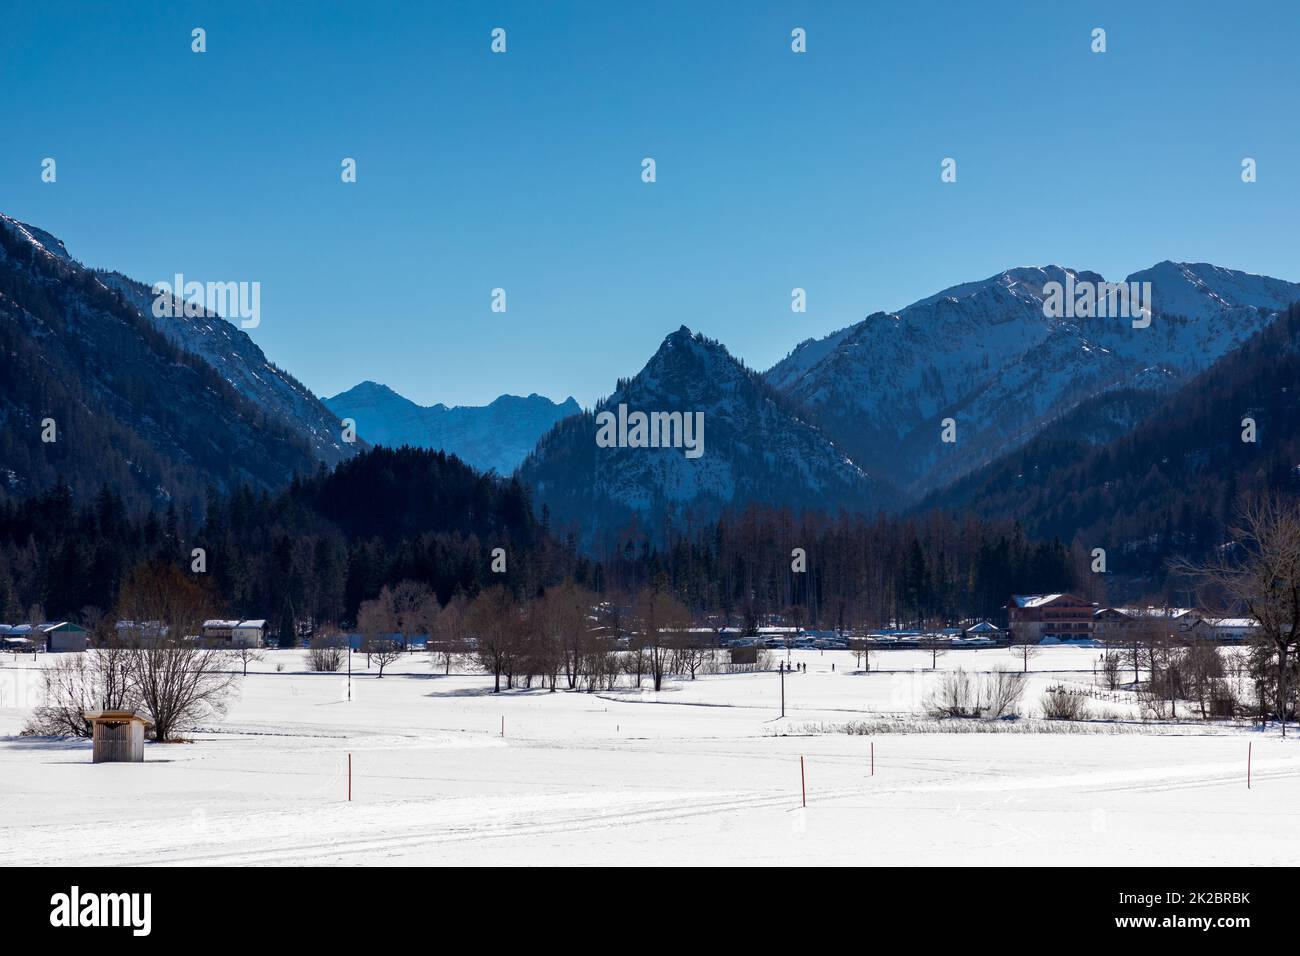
117,735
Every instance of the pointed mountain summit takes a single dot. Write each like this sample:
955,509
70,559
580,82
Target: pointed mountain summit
755,449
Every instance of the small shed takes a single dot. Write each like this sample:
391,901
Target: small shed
744,655
118,735
64,636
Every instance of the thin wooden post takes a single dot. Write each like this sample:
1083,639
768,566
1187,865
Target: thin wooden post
349,778
803,783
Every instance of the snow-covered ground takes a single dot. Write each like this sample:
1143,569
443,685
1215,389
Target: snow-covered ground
704,772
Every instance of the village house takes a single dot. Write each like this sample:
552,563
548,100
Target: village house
53,637
1118,624
1034,618
235,633
131,633
984,629
1177,617
1230,630
1110,624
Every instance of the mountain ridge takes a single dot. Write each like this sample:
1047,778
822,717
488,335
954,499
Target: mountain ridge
987,355
493,437
93,394
756,449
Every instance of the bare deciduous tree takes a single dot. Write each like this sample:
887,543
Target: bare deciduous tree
493,619
447,638
1204,673
1026,652
247,654
413,608
383,651
176,678
1110,662
662,619
98,679
1259,571
692,654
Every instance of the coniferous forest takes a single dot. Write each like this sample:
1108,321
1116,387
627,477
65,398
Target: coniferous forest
311,553
309,556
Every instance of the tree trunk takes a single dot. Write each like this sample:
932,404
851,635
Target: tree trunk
1281,685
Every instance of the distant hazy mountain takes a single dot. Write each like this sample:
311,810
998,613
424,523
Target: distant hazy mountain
755,449
985,354
488,437
135,406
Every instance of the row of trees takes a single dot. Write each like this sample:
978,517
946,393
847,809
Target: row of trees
571,634
846,570
567,635
303,560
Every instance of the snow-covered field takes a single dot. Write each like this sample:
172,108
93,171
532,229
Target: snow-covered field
704,772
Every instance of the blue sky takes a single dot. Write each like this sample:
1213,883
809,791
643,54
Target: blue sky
522,170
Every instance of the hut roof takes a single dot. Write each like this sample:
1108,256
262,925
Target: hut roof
117,715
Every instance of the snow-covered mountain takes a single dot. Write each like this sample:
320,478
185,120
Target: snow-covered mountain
986,355
134,406
240,361
1198,290
756,448
496,437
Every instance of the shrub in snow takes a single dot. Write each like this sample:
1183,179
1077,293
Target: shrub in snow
1059,703
993,695
324,655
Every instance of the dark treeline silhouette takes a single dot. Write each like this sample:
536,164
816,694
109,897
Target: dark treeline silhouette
857,571
313,553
